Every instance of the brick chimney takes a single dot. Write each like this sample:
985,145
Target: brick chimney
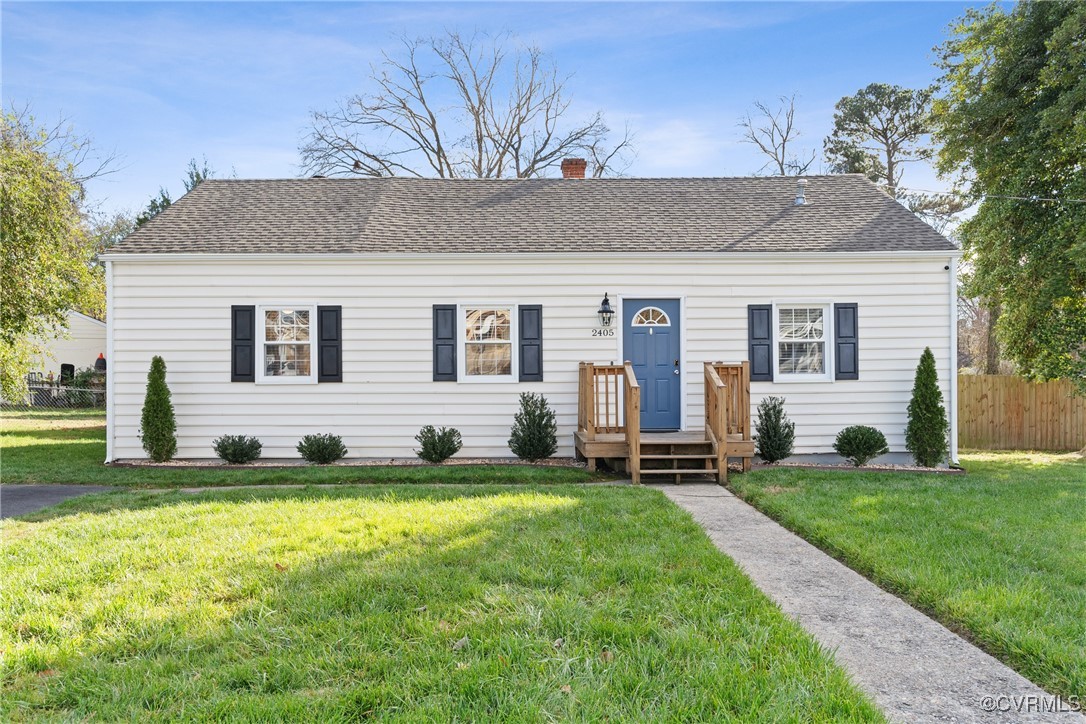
573,167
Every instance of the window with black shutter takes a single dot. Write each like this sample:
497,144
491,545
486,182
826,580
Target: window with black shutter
445,342
242,343
329,344
846,341
760,341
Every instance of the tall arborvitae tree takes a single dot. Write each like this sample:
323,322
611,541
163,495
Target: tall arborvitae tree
926,434
158,427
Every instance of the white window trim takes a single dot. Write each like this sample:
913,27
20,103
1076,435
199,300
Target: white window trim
263,379
461,351
827,333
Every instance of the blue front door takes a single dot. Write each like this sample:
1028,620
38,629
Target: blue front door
650,341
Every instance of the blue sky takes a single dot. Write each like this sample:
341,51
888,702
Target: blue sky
160,83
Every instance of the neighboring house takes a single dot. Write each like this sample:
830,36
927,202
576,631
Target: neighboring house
372,307
79,347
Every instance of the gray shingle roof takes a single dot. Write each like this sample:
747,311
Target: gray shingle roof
403,215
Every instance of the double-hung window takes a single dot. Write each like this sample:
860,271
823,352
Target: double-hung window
802,334
286,352
488,336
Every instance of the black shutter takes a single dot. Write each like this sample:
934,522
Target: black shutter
444,343
760,341
846,336
329,344
531,342
242,343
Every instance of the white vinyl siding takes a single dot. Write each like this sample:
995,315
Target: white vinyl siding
180,309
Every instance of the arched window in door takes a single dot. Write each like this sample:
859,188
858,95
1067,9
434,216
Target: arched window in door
651,317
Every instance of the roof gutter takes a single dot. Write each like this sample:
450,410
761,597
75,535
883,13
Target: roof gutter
163,257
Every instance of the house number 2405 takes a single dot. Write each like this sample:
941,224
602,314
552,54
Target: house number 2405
603,333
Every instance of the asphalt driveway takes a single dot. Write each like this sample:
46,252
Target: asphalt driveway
22,499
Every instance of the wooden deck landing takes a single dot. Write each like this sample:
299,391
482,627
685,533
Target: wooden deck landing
613,444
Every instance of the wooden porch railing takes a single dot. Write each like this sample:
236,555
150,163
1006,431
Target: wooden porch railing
736,377
609,402
632,399
716,419
609,423
727,412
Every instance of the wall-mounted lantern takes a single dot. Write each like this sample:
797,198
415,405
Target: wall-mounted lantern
605,313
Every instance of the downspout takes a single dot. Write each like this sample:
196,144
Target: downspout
111,362
952,271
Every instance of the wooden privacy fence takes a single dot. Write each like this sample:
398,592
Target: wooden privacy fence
1003,412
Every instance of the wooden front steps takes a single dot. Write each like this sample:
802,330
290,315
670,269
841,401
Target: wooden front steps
609,416
677,458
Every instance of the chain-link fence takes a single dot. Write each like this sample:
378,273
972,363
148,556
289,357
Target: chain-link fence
83,390
64,397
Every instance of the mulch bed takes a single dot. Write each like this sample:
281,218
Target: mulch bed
345,463
845,467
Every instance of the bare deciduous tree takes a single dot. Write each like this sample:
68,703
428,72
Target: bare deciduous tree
456,107
773,131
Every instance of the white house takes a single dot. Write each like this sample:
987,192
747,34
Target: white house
372,307
80,347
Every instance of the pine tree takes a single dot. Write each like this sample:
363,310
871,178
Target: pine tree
157,424
926,435
775,434
535,433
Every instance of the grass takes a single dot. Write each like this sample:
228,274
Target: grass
68,446
998,554
406,603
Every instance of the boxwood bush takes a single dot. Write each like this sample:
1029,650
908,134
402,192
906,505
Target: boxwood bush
860,443
237,449
322,449
437,446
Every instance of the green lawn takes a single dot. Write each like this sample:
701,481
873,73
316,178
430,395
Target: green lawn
998,554
572,602
68,446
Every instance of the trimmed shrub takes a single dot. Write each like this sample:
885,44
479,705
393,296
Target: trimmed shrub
322,449
775,434
860,443
237,449
535,433
158,427
437,446
926,435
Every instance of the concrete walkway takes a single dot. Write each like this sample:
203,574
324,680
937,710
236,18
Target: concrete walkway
914,668
22,499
